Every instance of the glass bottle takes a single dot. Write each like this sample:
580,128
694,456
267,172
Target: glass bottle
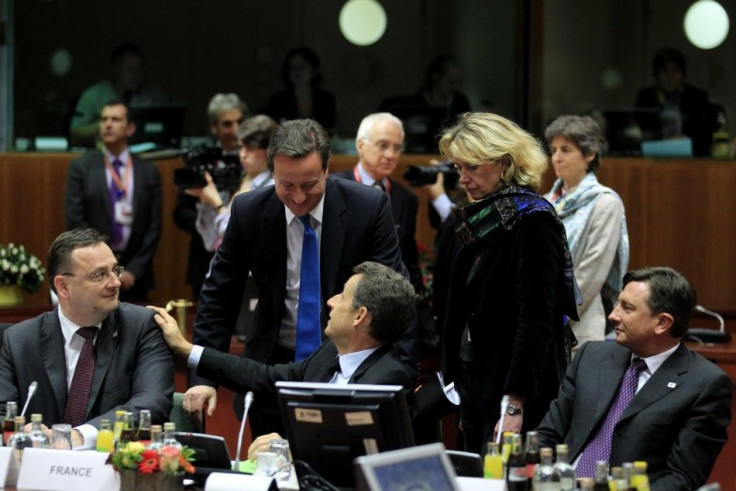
516,466
157,438
493,462
531,455
620,482
11,411
639,477
563,469
506,447
168,438
601,476
19,440
119,425
129,432
144,426
544,477
105,437
586,484
39,438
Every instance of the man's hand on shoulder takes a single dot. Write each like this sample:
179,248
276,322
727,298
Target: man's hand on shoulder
173,336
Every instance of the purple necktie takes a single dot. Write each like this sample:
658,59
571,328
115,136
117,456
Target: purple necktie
599,448
115,195
76,401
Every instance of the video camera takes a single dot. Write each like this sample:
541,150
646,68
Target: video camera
225,169
421,176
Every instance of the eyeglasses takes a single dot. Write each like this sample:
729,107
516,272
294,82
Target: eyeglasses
100,276
384,146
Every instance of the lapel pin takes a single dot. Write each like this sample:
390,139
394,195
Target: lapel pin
114,334
671,385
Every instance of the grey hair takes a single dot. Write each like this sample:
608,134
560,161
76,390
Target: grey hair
366,126
388,296
584,131
224,102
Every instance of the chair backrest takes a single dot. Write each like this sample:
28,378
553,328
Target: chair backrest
466,463
185,421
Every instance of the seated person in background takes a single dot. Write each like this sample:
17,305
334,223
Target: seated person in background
303,97
92,355
594,220
119,195
126,84
225,113
663,403
379,144
372,312
214,204
684,109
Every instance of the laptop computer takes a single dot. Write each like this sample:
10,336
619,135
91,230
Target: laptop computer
159,124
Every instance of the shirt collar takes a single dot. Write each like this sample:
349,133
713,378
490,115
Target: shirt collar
260,179
350,362
123,157
655,361
366,178
316,212
69,328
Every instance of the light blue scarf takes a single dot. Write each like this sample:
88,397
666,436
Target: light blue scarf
574,210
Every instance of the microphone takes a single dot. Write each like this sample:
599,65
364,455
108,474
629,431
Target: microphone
504,407
248,402
31,392
703,335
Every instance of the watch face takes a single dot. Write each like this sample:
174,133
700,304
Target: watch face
513,410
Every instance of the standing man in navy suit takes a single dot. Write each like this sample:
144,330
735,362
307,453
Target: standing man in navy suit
379,142
679,403
118,195
266,236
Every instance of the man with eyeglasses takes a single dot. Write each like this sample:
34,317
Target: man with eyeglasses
379,142
300,240
92,355
119,195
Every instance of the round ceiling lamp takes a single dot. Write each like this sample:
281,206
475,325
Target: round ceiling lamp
706,24
362,22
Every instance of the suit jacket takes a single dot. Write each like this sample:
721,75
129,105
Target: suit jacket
383,366
356,227
676,422
185,217
404,206
88,206
134,368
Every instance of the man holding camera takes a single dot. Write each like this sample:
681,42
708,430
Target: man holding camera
379,143
119,196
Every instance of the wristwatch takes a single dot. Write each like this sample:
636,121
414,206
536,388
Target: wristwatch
513,410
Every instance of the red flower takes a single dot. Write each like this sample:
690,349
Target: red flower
149,463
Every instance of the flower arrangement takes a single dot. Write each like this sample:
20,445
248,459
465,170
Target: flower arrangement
19,267
169,460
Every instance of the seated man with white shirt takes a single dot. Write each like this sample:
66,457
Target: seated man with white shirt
92,355
372,312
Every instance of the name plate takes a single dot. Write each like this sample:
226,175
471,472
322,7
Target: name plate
66,470
5,460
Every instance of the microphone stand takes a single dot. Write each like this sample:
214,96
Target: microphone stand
248,402
31,392
504,407
703,335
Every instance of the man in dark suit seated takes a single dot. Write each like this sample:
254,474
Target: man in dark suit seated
379,143
92,355
646,396
372,312
300,239
118,195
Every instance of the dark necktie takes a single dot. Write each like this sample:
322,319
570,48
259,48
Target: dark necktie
76,402
333,367
115,195
599,448
379,185
308,332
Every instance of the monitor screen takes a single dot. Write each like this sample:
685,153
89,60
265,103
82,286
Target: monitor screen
330,425
627,129
160,124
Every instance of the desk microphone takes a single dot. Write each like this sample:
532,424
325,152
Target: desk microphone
504,407
31,392
703,335
248,402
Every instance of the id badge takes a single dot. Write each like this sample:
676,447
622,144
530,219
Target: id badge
123,213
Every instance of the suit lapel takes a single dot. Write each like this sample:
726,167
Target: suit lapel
369,362
51,342
98,181
105,346
139,182
332,238
273,230
609,379
664,381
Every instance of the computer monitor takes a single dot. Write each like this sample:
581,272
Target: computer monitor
628,128
423,125
159,124
330,425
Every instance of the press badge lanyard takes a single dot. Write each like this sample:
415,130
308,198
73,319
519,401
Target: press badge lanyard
120,186
356,174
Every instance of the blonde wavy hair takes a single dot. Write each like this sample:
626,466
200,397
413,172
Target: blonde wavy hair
481,138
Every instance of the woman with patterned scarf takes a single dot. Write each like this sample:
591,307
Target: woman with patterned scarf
512,283
594,221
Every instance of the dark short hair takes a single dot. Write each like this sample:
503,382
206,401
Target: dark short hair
123,49
310,57
298,138
388,296
669,292
256,132
59,257
584,131
436,68
118,102
664,56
